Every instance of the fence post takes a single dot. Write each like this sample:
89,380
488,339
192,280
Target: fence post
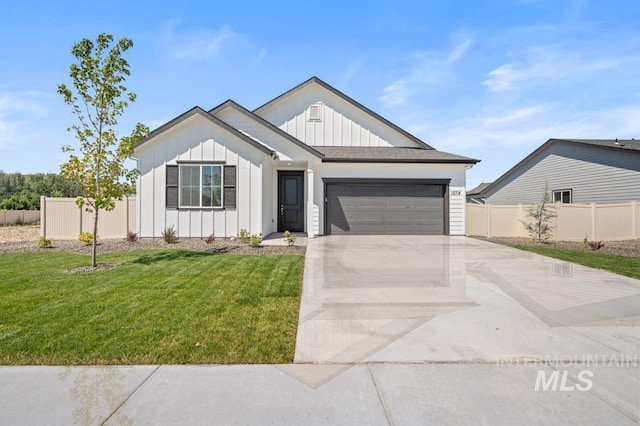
126,212
593,221
43,216
4,217
634,223
556,220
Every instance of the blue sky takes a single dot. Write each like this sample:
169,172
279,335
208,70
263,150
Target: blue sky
490,79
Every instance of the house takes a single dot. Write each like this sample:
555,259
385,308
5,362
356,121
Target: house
311,161
474,194
574,170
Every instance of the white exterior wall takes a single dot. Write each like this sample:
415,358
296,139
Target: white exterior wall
287,150
197,139
455,172
342,124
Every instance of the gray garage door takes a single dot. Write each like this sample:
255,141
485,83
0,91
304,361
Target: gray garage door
381,209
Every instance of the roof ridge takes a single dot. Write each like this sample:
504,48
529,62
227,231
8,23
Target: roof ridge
267,124
200,111
349,100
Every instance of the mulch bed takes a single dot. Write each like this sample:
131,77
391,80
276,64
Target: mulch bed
629,248
115,246
99,267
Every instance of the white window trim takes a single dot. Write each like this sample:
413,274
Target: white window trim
200,166
561,191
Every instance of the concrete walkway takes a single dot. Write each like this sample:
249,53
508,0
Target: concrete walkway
376,394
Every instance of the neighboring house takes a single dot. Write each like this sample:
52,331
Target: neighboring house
312,161
574,170
475,195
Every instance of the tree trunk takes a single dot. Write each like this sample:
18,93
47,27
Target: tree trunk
94,247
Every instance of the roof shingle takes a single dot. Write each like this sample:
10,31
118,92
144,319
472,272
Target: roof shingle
389,155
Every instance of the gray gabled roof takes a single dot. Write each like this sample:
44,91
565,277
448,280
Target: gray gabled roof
199,111
352,154
232,104
631,146
353,102
478,189
625,144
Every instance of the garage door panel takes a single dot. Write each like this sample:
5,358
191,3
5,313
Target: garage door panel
385,209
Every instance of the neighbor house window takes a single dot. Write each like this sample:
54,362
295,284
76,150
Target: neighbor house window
200,186
563,196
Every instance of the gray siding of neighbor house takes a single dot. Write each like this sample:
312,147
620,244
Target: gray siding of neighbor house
595,175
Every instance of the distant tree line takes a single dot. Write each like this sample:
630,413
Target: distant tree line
22,191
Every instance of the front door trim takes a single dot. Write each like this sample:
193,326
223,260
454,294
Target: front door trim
299,227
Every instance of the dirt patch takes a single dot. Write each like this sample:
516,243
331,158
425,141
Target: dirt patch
629,248
117,246
85,269
15,233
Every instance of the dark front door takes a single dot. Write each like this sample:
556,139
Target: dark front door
291,201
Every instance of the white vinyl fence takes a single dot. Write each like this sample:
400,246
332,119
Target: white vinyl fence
574,221
12,217
62,219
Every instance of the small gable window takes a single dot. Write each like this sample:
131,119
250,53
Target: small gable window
563,196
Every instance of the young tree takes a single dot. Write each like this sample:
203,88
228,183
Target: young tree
542,213
98,100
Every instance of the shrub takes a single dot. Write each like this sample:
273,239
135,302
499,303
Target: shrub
289,238
255,240
86,237
44,243
244,236
19,222
210,239
132,237
596,245
170,235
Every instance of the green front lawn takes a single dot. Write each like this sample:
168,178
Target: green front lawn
629,266
158,306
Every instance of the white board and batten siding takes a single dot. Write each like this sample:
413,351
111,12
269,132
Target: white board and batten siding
340,123
198,139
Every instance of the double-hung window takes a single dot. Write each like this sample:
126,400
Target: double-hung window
200,185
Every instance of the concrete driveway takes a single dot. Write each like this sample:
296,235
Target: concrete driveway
465,303
457,299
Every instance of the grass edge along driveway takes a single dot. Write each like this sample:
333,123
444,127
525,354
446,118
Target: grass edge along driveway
622,265
156,307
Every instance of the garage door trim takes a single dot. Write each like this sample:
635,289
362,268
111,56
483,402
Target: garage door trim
374,181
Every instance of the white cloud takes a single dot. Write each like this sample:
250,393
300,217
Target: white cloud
18,111
509,117
547,66
196,45
395,94
459,51
430,70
